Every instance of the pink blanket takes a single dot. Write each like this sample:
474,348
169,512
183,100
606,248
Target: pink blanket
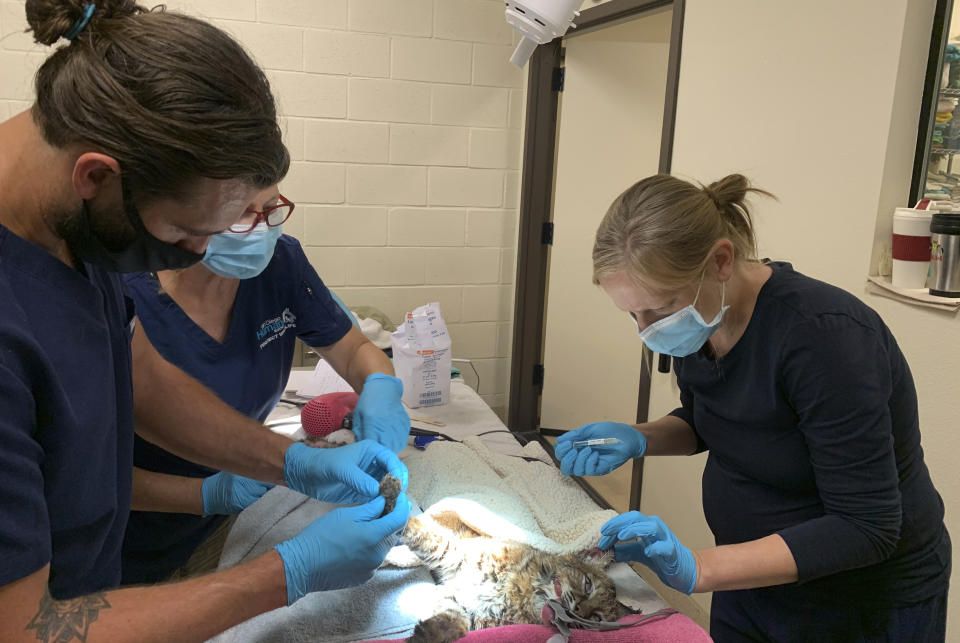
676,628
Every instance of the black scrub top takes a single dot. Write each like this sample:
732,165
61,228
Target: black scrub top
66,420
248,371
813,433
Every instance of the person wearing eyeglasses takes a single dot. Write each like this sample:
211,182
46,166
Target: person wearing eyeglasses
231,321
130,160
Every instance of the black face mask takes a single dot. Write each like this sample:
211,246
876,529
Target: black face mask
144,253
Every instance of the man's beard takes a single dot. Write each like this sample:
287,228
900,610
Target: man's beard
117,240
112,228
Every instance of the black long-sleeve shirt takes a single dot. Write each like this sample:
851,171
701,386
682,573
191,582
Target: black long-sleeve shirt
812,427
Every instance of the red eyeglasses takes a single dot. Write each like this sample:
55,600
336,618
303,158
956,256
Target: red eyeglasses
273,216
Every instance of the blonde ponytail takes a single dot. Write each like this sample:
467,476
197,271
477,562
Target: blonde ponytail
663,228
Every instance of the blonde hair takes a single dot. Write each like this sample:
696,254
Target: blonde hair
663,228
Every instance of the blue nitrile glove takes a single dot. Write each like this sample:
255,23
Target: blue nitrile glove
379,415
601,460
655,546
341,549
345,475
226,494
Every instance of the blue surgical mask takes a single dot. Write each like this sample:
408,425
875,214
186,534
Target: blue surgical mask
684,332
242,256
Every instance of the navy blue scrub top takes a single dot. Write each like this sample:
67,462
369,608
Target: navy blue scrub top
247,371
813,432
66,420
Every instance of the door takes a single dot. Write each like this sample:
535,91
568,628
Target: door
608,137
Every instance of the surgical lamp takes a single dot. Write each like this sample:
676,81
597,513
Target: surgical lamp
539,21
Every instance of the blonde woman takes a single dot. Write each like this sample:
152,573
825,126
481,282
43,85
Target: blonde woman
827,524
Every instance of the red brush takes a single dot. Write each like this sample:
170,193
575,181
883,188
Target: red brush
327,413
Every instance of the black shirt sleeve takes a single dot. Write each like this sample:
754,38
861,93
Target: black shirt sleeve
836,374
25,544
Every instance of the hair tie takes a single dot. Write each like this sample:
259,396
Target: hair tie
80,24
713,197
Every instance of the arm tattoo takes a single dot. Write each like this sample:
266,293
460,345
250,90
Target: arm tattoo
66,621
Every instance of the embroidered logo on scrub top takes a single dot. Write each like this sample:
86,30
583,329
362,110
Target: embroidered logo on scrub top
276,327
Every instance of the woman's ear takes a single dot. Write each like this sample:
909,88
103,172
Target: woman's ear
722,260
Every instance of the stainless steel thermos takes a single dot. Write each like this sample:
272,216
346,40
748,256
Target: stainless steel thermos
944,279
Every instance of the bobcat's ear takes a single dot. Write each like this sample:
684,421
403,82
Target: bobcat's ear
597,556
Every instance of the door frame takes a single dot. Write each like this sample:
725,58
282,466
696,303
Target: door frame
928,109
536,199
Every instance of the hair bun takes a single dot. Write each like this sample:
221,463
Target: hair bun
730,190
49,20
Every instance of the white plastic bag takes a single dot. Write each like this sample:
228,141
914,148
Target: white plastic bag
421,357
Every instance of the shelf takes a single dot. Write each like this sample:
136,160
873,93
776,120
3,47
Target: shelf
943,150
884,287
950,92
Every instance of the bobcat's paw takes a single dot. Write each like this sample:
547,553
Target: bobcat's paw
445,627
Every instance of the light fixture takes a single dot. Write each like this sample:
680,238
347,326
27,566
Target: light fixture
539,21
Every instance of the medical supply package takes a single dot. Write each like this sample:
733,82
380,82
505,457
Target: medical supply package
421,357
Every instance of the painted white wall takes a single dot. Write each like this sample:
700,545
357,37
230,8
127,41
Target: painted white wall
404,121
817,102
611,118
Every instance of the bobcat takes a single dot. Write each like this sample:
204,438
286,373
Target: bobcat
498,582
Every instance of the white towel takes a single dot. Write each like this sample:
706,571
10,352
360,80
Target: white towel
504,496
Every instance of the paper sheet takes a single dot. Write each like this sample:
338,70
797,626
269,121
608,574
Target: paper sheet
324,380
916,296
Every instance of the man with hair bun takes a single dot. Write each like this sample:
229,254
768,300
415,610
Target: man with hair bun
826,522
151,132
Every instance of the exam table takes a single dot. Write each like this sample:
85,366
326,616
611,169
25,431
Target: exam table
493,466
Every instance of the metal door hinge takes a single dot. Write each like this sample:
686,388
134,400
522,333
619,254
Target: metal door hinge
663,363
559,75
546,233
538,375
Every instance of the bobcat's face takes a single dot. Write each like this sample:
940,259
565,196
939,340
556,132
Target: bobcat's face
581,586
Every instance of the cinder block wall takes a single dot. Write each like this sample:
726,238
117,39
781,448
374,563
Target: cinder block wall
403,118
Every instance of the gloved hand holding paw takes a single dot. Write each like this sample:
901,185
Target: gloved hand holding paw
345,475
342,549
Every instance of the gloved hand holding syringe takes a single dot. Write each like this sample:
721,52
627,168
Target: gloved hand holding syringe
597,449
596,442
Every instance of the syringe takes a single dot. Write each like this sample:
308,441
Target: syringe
596,442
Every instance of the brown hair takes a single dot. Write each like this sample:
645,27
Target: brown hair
663,228
170,97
